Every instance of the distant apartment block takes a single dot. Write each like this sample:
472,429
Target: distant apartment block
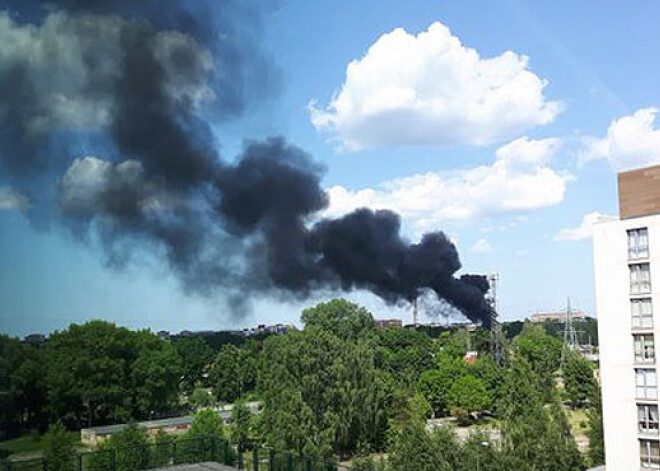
627,282
388,323
559,316
266,329
35,339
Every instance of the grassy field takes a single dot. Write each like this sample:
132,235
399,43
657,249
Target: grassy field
31,445
577,419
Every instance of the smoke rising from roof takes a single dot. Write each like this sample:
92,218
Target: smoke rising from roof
139,83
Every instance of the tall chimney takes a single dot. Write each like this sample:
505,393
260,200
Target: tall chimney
413,311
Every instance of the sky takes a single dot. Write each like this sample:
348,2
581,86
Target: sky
501,123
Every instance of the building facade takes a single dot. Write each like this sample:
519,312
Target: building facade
558,316
627,282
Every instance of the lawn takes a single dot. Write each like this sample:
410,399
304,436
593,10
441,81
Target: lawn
31,445
577,419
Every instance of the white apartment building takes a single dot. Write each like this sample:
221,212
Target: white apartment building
627,282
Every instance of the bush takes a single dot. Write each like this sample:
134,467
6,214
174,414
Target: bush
59,454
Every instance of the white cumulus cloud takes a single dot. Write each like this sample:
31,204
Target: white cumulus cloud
11,200
519,179
429,89
631,141
585,229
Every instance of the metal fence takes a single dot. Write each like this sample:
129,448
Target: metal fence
179,451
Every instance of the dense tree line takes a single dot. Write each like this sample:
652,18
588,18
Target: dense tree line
339,388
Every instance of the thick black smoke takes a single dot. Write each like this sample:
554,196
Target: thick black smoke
135,85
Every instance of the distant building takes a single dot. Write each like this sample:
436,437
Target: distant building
471,357
388,323
627,282
35,339
261,329
163,334
176,425
559,316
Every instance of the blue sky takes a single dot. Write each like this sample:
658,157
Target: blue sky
594,60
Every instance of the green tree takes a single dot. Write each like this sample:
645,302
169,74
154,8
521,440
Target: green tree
196,445
22,385
161,450
241,423
59,454
578,378
480,453
201,398
233,373
404,353
467,394
155,374
322,393
93,371
207,424
196,355
413,448
543,354
125,450
534,437
435,384
595,432
339,316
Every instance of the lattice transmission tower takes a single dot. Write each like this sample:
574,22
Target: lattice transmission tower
497,339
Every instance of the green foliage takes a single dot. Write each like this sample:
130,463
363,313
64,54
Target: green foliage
22,385
467,394
404,353
344,319
493,376
233,373
207,424
578,378
126,450
155,374
435,384
322,393
534,437
241,423
161,450
195,354
543,353
206,429
100,372
413,448
59,454
201,398
595,433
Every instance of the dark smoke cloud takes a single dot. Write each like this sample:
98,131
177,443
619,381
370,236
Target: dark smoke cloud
139,83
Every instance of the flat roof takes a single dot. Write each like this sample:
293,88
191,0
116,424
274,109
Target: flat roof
106,429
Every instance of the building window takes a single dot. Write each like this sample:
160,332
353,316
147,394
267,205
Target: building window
646,383
648,419
642,313
638,243
644,348
649,452
640,278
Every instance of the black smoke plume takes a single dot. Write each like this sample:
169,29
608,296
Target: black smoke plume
115,99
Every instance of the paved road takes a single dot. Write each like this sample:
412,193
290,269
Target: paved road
206,466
